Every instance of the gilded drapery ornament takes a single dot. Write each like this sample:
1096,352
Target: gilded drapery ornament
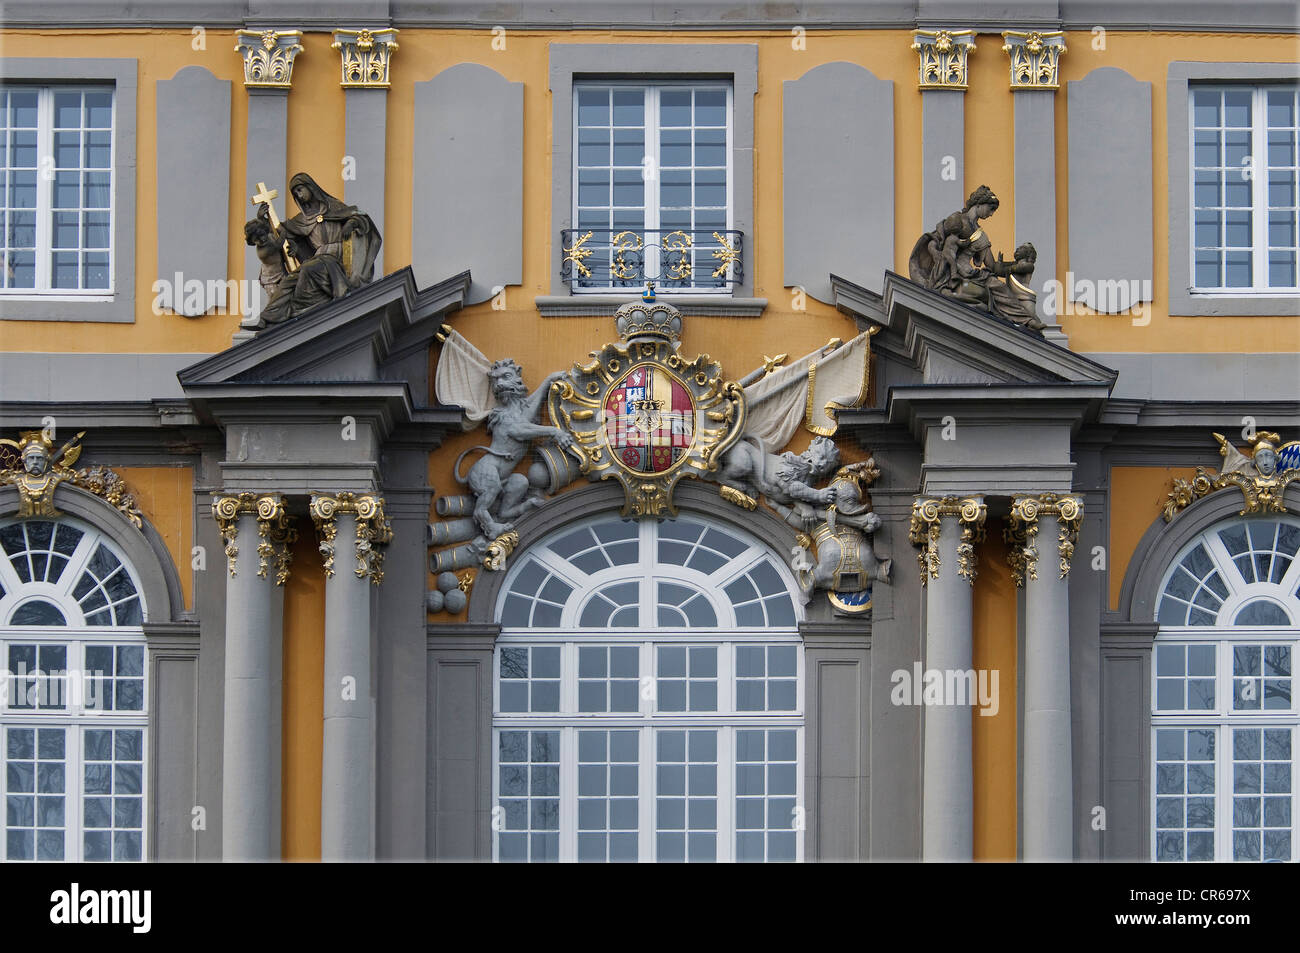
275,531
1022,529
366,56
924,531
943,56
268,56
1262,474
373,531
1035,58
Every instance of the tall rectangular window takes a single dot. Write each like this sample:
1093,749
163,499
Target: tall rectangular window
652,187
56,160
1245,193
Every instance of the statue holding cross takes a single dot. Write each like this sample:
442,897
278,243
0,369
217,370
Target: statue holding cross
315,256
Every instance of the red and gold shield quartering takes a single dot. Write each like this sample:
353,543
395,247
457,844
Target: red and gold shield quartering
649,419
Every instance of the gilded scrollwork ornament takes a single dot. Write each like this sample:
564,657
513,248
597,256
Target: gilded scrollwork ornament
275,531
926,527
1262,473
1023,526
373,531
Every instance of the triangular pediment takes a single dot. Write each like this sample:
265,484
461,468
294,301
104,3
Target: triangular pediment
937,341
350,339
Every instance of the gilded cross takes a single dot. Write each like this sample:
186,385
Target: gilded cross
264,197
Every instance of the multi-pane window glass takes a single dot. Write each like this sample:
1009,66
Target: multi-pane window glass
686,795
608,678
57,158
74,713
1262,795
1244,187
652,162
530,678
1185,783
687,678
1223,714
608,789
529,788
766,677
767,808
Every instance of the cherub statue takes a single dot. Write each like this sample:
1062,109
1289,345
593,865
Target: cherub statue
36,470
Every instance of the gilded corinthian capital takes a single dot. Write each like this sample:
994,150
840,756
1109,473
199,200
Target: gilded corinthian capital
1022,532
1035,58
373,530
943,57
366,56
927,515
275,531
268,56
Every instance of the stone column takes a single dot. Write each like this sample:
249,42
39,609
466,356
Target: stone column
257,533
1047,798
947,529
1035,77
350,528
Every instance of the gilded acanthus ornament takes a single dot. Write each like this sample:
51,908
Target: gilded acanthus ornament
925,529
1262,474
366,56
373,530
1022,529
268,56
943,56
275,531
1035,58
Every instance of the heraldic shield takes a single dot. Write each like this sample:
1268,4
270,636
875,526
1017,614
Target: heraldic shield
645,416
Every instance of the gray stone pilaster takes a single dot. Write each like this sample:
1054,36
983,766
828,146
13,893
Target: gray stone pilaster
267,158
943,132
347,772
365,136
1035,168
247,777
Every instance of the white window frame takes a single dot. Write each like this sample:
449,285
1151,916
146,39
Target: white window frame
726,720
1223,718
75,717
45,201
1258,176
651,210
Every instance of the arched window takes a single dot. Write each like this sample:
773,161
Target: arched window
74,709
649,697
1224,712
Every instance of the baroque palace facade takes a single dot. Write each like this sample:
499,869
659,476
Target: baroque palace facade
628,431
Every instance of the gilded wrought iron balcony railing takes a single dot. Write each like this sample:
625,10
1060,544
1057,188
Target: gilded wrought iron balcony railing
601,259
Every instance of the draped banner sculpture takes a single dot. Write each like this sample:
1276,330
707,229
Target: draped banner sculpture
640,413
320,254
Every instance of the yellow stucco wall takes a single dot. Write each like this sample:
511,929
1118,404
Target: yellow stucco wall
1137,499
302,700
165,496
993,737
316,145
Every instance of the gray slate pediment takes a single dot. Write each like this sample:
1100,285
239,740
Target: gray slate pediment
942,342
358,337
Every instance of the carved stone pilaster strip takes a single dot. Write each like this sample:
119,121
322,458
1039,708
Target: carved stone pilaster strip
268,56
1022,532
373,531
366,56
943,56
1035,58
274,530
925,529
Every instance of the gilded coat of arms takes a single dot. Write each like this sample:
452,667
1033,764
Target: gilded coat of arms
644,415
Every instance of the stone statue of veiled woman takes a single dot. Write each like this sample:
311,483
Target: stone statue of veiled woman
335,244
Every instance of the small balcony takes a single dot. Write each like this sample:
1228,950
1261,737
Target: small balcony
700,261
